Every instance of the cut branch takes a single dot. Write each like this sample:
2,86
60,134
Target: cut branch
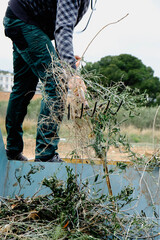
101,31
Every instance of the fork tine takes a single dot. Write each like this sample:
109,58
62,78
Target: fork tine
107,107
82,108
117,108
69,111
94,110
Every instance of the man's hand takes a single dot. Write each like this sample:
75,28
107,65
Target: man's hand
78,88
78,60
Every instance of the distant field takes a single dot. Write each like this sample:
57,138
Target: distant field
139,130
143,141
4,96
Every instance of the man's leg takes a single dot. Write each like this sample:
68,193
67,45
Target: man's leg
24,87
35,48
38,56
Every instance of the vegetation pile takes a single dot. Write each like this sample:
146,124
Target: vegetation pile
72,212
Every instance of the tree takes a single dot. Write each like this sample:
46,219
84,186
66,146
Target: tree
128,69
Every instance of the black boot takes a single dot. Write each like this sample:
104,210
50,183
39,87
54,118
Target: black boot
15,156
55,158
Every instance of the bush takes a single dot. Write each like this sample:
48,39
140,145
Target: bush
144,119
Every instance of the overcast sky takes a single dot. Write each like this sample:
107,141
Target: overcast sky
138,34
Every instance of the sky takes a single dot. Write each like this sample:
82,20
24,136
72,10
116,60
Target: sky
138,34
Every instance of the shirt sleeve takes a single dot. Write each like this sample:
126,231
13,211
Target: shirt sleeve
66,19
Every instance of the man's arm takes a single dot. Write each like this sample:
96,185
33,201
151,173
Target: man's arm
66,19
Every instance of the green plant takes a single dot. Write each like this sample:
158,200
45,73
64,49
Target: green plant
106,126
70,212
26,179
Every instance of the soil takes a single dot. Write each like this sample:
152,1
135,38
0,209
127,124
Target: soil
65,149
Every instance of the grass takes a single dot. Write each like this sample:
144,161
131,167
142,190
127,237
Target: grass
2,126
134,134
138,129
144,120
29,127
30,123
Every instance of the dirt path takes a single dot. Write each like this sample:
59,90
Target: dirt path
65,149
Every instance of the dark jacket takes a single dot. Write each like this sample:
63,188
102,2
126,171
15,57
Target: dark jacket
57,18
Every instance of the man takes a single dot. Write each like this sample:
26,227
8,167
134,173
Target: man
31,25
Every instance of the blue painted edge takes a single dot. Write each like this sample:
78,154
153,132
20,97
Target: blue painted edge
3,165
